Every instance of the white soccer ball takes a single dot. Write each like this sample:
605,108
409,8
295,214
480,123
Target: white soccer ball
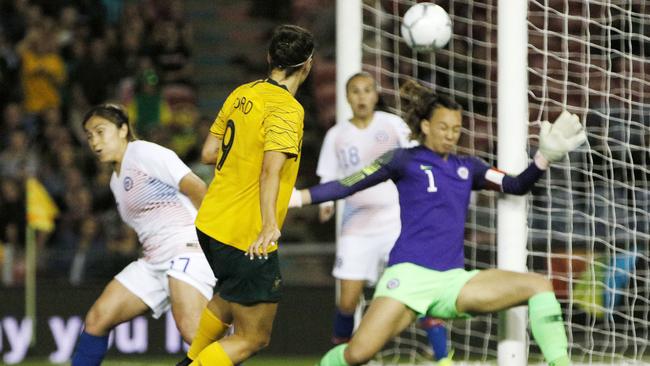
426,27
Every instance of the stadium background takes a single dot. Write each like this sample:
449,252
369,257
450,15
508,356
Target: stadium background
172,62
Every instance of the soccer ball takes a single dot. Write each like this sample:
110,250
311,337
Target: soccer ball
426,27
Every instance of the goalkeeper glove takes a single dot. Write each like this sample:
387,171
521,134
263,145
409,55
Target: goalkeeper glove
564,135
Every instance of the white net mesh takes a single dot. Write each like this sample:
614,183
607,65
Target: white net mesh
588,216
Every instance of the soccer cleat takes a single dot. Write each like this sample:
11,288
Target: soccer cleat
185,362
445,362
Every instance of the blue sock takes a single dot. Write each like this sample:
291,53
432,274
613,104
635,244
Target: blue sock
437,335
90,350
343,325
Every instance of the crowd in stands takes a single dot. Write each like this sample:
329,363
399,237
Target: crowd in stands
58,58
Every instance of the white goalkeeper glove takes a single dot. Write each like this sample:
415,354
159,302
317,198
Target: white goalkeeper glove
296,198
564,135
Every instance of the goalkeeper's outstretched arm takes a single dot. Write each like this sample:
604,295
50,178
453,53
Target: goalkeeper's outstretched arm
556,140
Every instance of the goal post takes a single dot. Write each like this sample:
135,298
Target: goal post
512,134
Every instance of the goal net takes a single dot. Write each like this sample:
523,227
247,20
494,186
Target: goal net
588,226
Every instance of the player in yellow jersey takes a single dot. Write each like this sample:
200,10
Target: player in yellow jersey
255,145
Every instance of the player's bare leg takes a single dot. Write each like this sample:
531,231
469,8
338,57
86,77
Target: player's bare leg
350,293
214,323
187,304
115,305
385,318
221,308
494,290
253,326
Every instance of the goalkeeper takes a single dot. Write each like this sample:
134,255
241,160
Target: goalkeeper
425,273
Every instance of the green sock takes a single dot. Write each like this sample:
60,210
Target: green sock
547,327
334,357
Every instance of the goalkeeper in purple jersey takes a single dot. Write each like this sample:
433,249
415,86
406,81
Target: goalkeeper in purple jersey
425,273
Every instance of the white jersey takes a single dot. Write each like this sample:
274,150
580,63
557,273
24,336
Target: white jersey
346,150
148,199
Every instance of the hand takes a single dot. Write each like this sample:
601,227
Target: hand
268,238
326,211
296,198
564,135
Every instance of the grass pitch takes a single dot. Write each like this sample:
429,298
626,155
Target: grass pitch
255,361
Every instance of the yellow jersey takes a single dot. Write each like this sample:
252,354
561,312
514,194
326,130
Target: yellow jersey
256,117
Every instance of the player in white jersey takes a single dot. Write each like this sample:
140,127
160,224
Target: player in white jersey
157,195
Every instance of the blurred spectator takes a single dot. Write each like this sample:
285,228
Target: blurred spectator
97,74
12,19
122,248
43,70
129,53
68,20
9,72
14,118
148,108
12,215
170,55
113,10
89,252
18,160
12,228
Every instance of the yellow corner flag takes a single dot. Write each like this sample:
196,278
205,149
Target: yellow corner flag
41,209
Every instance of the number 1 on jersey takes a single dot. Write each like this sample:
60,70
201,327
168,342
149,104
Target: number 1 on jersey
432,183
227,142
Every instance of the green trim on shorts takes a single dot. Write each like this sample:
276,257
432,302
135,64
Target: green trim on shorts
240,279
424,290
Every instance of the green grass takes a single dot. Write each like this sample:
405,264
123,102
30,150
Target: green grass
139,361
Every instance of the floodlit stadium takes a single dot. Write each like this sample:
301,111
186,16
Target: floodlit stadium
169,66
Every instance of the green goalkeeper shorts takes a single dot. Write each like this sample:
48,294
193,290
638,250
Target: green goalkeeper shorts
424,290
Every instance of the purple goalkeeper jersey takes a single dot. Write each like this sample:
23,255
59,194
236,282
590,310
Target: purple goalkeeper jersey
434,196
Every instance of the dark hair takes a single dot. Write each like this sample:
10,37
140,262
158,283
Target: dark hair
290,48
419,102
114,113
360,74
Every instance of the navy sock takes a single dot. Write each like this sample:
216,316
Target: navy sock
343,324
90,350
437,335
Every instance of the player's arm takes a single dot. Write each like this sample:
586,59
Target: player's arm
385,167
497,180
193,187
210,149
269,186
328,170
556,140
212,143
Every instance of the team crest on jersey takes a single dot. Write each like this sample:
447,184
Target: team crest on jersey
392,283
463,172
381,136
128,183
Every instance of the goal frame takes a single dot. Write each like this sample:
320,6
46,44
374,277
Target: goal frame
512,107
